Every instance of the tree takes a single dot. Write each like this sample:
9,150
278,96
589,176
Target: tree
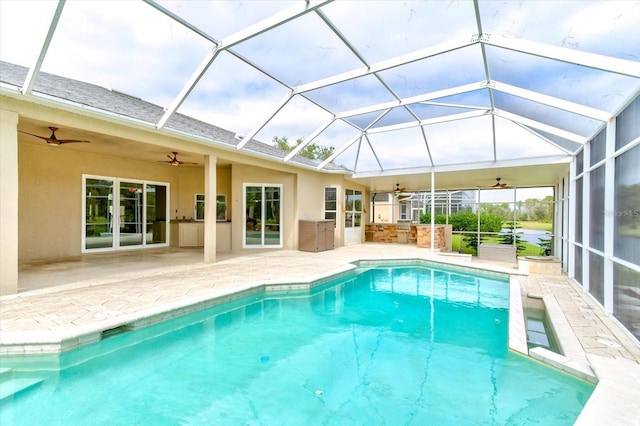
312,151
501,210
536,210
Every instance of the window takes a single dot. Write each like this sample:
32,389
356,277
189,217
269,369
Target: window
221,207
331,204
404,210
199,213
381,197
353,208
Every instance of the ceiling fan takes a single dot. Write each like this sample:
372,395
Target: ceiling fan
398,189
497,185
53,140
174,160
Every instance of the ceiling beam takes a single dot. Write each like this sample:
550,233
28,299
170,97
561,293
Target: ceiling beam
414,99
339,151
33,72
259,127
189,86
310,139
572,56
541,126
293,12
373,151
226,43
426,144
184,22
427,122
385,65
467,166
552,101
543,138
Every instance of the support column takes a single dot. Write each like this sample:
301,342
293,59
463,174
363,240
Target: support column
609,216
8,202
210,196
433,211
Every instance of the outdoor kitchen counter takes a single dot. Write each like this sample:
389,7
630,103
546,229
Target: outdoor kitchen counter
419,234
390,233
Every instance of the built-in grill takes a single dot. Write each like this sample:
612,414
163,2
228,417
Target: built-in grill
402,226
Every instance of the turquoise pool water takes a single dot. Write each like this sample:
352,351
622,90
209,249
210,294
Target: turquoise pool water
405,345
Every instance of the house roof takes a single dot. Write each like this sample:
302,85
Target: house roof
123,105
395,88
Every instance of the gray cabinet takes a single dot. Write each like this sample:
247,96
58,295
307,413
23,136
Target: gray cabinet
315,235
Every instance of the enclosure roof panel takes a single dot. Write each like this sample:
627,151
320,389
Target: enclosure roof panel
389,86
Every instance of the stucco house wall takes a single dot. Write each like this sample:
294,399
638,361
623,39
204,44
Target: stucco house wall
50,194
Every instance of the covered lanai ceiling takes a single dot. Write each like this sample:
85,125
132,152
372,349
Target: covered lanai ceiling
396,88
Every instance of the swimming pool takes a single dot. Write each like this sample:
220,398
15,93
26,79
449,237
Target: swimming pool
403,344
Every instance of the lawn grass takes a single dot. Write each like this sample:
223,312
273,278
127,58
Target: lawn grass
538,226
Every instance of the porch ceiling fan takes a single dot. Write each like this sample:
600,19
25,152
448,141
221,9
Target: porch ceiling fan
53,140
174,160
497,185
398,190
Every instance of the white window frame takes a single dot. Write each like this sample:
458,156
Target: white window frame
334,211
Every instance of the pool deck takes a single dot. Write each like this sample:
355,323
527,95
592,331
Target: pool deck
65,304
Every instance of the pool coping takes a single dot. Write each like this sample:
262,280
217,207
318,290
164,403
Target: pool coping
51,342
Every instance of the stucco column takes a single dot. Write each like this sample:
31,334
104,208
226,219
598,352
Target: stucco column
8,202
210,196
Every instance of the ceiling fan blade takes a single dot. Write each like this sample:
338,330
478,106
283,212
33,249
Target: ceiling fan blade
37,136
52,140
61,141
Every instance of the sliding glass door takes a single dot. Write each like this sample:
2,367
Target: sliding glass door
123,213
262,215
131,214
98,218
156,221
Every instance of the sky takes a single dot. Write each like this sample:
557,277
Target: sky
131,47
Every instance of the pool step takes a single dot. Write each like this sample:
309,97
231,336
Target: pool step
10,386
